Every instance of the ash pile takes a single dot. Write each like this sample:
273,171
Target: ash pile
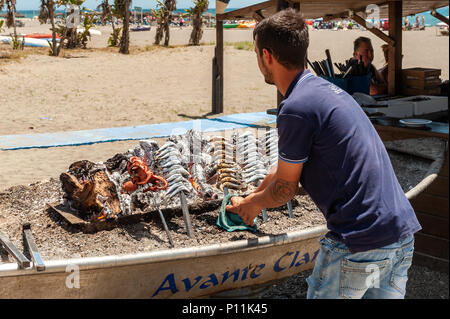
189,171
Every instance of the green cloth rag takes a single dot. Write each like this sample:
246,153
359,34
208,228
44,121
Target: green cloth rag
231,221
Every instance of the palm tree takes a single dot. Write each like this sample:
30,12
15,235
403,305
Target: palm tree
109,12
11,15
123,7
164,17
47,12
169,5
197,21
159,15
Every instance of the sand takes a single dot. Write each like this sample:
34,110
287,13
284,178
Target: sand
100,88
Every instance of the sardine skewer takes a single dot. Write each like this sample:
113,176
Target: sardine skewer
289,206
186,217
163,220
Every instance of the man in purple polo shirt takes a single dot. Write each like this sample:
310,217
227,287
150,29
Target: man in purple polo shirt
328,144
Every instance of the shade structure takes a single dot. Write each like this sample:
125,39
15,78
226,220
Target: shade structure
313,9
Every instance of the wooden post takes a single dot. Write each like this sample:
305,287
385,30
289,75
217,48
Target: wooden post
395,51
217,105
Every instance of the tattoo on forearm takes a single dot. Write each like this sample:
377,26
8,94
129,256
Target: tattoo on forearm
283,191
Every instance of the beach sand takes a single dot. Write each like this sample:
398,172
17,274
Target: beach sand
100,88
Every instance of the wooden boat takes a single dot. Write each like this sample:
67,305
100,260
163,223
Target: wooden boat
227,269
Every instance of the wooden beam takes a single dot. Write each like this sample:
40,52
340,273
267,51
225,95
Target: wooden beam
380,34
217,99
439,16
257,15
395,52
246,10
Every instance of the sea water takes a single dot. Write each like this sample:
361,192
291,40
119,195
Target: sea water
429,19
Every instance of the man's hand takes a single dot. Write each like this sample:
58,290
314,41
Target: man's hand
244,207
281,187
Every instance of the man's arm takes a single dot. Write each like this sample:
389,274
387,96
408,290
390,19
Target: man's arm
282,188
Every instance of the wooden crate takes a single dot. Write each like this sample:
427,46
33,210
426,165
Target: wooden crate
421,81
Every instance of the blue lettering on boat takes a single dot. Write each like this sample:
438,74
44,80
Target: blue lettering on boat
286,261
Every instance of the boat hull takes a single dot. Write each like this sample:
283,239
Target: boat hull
179,273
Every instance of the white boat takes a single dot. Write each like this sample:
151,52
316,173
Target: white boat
91,31
218,270
31,42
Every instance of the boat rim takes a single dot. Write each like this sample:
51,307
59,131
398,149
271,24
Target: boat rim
89,263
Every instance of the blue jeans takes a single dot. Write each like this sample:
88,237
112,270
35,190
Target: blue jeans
376,274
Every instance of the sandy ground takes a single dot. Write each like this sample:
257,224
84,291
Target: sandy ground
99,88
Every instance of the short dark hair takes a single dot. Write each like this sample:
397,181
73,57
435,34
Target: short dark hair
358,41
285,36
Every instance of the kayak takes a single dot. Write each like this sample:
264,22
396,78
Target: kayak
230,26
41,36
30,42
140,29
91,31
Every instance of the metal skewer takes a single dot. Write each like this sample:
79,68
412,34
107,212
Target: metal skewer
165,227
264,215
32,248
289,206
186,217
330,63
23,261
348,71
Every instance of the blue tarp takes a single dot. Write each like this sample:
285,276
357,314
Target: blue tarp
85,137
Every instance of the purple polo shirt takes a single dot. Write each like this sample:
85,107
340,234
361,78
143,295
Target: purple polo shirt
347,171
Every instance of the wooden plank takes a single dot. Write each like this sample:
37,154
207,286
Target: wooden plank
392,133
246,11
431,245
421,73
407,91
219,61
333,9
431,204
433,225
69,215
439,187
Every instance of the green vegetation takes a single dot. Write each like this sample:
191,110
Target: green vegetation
243,45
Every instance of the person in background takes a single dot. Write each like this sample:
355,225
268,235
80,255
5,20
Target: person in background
362,48
384,70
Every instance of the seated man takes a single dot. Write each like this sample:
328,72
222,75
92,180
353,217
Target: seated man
363,50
